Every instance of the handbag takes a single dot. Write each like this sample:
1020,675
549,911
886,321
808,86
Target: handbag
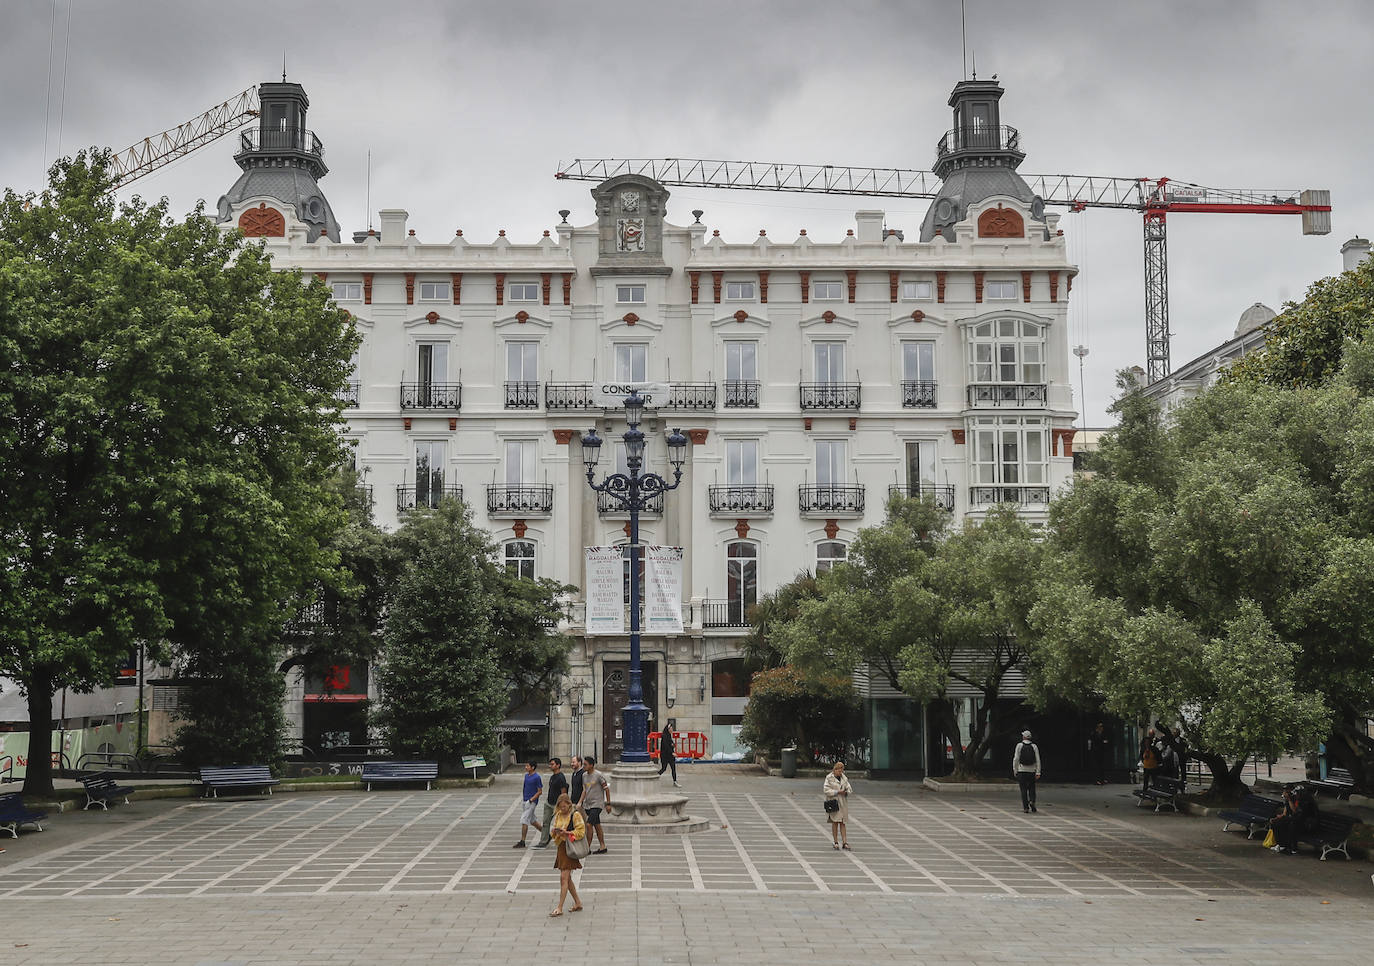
832,804
577,848
1270,840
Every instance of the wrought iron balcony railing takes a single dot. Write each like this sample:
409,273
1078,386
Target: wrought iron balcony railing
519,500
1023,495
725,613
352,391
979,138
522,395
606,505
828,498
286,139
741,394
918,395
830,395
1007,394
410,497
943,493
692,396
732,498
564,396
431,395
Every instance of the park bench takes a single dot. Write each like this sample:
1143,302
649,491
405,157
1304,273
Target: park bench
1339,782
1162,791
1330,834
101,789
231,777
13,814
1252,814
376,772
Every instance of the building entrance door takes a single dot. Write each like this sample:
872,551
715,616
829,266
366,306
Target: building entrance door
615,694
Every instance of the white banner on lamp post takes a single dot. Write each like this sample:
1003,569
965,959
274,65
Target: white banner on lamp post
663,588
605,590
611,395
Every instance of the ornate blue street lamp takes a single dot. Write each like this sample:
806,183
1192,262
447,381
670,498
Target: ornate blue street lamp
633,491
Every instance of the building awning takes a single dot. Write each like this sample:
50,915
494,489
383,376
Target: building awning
524,720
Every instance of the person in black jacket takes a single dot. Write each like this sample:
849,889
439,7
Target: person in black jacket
665,752
1100,751
575,781
1299,815
558,784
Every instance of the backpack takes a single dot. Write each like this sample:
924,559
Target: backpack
1027,754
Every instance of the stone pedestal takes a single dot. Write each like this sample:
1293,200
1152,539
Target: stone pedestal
641,801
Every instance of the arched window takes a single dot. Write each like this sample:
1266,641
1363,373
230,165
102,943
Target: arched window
741,579
520,559
828,554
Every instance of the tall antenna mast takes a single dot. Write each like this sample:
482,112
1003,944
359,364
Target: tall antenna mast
963,37
369,189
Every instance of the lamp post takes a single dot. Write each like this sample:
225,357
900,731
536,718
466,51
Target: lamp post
632,491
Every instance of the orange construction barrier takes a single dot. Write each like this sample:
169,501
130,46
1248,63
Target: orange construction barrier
686,744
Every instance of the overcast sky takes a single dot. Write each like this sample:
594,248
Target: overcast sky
468,109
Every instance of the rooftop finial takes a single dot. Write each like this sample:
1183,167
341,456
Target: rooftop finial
283,66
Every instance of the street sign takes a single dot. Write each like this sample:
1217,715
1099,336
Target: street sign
611,395
474,761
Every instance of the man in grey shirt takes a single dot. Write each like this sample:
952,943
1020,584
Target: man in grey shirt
596,795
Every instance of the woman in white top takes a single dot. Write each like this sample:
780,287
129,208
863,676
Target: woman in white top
837,789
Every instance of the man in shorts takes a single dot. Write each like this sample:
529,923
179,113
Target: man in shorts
529,801
596,795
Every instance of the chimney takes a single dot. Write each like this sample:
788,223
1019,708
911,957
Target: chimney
394,226
1353,252
870,226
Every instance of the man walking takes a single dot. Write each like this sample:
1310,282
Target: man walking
558,784
575,782
1025,766
665,753
596,795
529,801
1100,750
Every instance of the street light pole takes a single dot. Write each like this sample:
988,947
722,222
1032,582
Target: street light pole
632,491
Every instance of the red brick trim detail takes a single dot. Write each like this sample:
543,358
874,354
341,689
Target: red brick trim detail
500,288
432,318
805,286
626,528
763,288
406,422
829,316
917,316
958,435
1001,222
519,529
742,528
367,288
1054,286
545,280
262,222
940,286
1025,286
853,423
567,288
893,280
698,436
695,278
452,423
563,436
832,529
806,423
322,276
522,316
1069,279
410,288
977,286
853,276
1063,440
457,287
741,315
630,318
716,278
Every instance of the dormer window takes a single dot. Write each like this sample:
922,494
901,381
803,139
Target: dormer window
433,291
827,291
524,292
347,291
1002,291
739,291
917,291
629,294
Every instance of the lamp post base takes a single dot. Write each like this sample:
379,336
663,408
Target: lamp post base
641,803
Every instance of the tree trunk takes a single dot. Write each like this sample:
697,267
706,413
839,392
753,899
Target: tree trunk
1226,781
38,772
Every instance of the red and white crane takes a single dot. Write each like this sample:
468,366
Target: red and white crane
1155,198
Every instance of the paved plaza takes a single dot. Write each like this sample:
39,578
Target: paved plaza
413,876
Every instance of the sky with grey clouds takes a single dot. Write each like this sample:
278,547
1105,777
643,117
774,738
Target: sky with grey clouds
468,109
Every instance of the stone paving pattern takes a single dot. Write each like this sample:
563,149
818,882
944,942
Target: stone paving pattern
402,876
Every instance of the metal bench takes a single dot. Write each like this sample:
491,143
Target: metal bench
399,771
13,814
1253,814
1330,834
236,776
101,789
1338,782
1162,791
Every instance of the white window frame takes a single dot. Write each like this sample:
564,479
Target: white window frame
631,294
835,466
743,580
522,291
827,290
924,369
1007,351
741,290
742,462
741,355
628,373
522,561
440,350
826,563
918,291
428,448
435,292
831,373
522,461
352,291
522,361
1010,451
1000,290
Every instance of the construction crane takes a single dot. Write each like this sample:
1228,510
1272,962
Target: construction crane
1155,198
152,153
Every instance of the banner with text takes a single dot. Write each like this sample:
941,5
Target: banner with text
663,588
605,590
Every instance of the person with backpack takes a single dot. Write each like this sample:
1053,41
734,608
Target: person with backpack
1025,767
1149,758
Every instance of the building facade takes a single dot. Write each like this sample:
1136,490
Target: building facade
812,376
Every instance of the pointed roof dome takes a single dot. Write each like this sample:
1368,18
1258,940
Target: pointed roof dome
1253,317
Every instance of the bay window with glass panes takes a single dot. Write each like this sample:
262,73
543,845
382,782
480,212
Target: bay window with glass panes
1006,363
1010,461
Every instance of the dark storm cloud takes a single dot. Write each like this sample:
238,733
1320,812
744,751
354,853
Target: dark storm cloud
468,107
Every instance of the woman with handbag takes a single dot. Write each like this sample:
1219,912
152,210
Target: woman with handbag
837,790
571,833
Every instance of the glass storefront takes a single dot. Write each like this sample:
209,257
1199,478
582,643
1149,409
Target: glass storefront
894,727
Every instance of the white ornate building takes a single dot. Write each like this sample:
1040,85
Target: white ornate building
812,375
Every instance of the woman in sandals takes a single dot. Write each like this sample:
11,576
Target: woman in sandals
567,827
837,789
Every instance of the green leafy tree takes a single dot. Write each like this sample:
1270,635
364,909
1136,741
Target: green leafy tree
168,420
773,610
816,712
533,657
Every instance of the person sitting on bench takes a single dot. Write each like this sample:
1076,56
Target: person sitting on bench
1299,814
